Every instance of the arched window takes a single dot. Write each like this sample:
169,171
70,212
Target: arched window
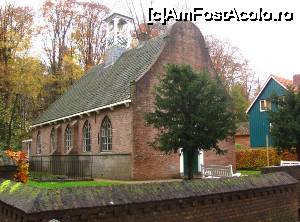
68,138
86,137
52,140
106,134
38,143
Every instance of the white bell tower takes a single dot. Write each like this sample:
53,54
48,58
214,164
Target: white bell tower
118,36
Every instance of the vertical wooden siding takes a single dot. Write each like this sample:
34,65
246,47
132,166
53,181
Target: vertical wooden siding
259,121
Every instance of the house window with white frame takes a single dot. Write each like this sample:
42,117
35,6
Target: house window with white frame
265,105
52,140
68,139
38,143
106,135
86,137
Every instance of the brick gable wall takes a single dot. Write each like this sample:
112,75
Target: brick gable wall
185,45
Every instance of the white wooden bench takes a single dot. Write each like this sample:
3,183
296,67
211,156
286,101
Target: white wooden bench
215,171
289,163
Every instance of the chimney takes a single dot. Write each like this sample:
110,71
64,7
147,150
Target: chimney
296,79
143,36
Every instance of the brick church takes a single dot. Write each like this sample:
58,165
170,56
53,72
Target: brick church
101,117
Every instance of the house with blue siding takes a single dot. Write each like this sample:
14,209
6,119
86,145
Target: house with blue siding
259,123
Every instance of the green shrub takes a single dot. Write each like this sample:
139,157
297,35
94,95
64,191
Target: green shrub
257,158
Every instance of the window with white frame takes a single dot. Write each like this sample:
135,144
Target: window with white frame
68,138
106,135
265,105
52,140
86,137
38,143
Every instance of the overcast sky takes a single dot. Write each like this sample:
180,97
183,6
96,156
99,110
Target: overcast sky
271,47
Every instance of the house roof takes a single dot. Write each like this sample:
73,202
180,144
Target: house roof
280,80
242,129
103,86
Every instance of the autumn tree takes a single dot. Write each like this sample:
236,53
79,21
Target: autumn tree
89,33
15,35
142,30
192,111
59,17
231,65
19,74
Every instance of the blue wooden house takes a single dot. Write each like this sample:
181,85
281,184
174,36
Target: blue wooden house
258,116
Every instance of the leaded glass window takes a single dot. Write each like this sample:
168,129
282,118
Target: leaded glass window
38,143
86,137
68,139
106,135
52,140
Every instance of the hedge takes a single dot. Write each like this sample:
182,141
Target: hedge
257,158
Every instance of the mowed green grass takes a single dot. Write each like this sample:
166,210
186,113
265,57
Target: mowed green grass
249,172
56,185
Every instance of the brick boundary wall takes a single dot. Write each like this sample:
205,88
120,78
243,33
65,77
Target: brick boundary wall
294,171
270,197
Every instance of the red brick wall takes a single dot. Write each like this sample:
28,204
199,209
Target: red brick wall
211,158
269,203
185,46
121,120
244,140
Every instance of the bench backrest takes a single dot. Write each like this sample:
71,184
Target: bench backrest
289,163
217,171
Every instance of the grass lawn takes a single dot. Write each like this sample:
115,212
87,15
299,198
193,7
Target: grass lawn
55,185
249,172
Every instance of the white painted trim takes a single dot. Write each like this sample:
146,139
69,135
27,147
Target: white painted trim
265,101
78,114
200,160
73,123
181,167
262,89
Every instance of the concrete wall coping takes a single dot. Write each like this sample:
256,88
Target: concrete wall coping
33,200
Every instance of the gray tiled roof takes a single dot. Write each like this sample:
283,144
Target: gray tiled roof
105,85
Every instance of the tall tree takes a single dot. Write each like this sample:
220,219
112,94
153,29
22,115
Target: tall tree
192,112
285,121
16,31
142,30
89,33
15,36
240,103
231,65
59,17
